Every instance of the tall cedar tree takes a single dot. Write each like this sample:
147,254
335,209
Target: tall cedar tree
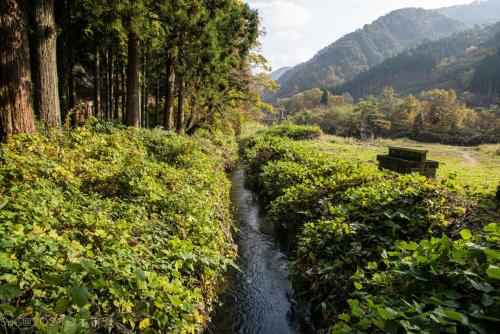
16,110
44,72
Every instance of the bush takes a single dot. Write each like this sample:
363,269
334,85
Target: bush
106,229
342,215
294,132
436,286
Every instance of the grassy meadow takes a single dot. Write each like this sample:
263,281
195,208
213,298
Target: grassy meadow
477,167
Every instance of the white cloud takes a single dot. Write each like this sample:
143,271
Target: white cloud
293,56
289,35
279,14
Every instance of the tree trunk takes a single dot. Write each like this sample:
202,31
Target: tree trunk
133,81
157,104
16,110
144,94
169,96
116,85
111,85
62,20
124,93
192,112
97,78
106,85
46,84
180,107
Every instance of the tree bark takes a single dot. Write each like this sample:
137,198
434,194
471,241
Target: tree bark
144,94
157,104
133,81
116,85
192,112
124,93
111,84
169,96
46,82
97,78
62,20
106,85
180,107
16,110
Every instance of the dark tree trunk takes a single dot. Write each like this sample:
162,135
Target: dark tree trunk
97,78
180,106
46,83
169,96
71,61
111,84
144,94
116,85
16,110
106,86
157,104
133,81
62,20
192,112
124,93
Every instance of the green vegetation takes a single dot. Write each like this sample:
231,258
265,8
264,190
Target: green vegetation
114,229
475,167
374,251
436,116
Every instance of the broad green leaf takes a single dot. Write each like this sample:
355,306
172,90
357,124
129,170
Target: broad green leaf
493,272
466,234
453,315
79,295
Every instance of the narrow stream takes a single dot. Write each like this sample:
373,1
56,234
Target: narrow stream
256,300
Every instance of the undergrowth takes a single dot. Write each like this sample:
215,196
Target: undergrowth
377,252
107,229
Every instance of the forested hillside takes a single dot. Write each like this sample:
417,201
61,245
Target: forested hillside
464,62
365,48
478,12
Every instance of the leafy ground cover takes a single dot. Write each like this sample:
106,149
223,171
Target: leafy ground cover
113,229
373,251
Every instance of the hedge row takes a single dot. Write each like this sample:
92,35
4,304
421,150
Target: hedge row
105,229
375,251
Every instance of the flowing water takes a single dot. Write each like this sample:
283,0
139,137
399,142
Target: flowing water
257,299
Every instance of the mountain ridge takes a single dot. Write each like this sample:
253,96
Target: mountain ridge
447,63
477,12
275,75
366,47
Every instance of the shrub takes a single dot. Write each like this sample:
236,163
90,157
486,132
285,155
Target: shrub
294,132
106,229
342,215
435,286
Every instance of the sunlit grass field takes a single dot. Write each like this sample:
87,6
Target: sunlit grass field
477,167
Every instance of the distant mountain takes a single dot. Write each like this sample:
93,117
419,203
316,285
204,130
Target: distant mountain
279,72
365,48
478,12
465,62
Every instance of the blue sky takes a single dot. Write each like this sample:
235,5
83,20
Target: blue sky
297,29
